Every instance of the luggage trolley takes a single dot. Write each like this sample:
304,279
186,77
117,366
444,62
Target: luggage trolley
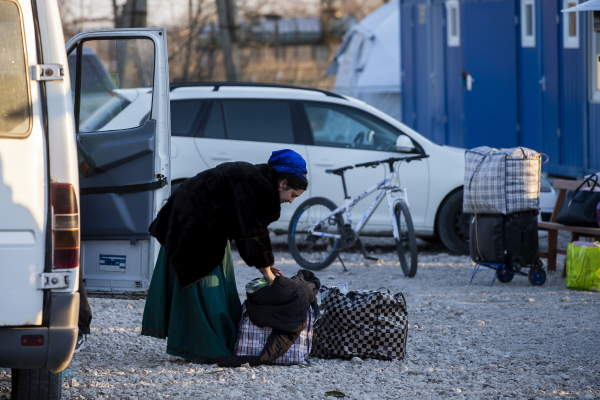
506,272
507,244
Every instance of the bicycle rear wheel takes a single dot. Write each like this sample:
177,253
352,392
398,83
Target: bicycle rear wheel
407,245
310,251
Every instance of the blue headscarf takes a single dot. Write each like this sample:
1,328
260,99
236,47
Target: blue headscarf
289,161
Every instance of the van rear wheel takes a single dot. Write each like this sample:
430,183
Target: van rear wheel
35,384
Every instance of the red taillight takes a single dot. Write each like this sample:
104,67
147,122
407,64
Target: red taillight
66,258
65,227
63,199
32,340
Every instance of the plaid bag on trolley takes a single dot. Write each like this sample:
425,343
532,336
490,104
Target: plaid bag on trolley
363,323
251,339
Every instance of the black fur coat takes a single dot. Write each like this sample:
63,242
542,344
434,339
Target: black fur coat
234,200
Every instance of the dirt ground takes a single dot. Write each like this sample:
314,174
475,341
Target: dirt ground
510,340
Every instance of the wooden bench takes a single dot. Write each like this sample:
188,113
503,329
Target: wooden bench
553,227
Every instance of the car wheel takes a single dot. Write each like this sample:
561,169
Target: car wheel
36,384
453,225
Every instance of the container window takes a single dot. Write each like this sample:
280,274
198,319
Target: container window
453,23
595,57
527,23
15,109
570,26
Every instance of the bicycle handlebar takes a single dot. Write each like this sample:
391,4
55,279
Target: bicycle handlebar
392,160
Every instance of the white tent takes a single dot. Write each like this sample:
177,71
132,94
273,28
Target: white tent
367,64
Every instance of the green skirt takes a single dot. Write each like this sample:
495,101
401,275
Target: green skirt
200,321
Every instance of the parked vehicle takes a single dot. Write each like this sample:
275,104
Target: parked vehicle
43,213
219,122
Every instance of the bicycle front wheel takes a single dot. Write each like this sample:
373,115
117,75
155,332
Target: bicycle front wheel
407,245
310,251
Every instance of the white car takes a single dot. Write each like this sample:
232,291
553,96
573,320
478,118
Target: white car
215,123
212,123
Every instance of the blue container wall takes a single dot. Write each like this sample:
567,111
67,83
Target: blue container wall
574,103
508,105
550,43
438,74
409,111
594,137
530,87
455,90
422,70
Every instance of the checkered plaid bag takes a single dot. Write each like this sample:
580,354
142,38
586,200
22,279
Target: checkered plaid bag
501,181
251,339
363,323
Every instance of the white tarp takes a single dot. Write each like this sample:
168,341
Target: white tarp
592,5
367,64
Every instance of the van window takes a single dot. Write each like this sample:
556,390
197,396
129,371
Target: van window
338,126
184,116
15,113
259,120
115,91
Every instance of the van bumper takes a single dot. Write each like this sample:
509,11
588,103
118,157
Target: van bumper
59,338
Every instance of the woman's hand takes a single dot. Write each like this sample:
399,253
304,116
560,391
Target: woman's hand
268,275
276,271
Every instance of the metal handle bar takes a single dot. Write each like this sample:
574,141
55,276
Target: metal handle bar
392,160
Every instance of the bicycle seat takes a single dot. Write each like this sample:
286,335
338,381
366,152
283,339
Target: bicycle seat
338,171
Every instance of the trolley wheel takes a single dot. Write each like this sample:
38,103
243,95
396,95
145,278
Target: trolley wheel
506,275
537,276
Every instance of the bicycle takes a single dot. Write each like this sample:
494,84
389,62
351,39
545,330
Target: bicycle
318,232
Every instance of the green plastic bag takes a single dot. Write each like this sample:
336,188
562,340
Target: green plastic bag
583,267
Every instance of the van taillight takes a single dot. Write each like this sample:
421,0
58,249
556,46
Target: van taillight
65,226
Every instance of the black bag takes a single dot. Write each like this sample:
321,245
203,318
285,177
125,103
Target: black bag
362,323
579,206
505,239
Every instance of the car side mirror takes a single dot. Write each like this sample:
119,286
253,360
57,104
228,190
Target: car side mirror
404,144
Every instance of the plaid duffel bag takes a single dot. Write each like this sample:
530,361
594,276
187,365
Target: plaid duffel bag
251,339
501,181
362,323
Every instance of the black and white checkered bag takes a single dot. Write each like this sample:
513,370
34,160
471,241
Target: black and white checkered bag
501,181
363,323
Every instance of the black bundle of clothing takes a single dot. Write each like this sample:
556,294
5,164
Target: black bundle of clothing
282,306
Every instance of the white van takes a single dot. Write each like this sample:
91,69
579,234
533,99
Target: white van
58,187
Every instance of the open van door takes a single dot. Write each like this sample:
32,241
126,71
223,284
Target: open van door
120,81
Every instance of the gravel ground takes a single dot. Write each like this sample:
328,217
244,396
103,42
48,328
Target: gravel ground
465,341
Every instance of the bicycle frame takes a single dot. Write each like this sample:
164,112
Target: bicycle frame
387,187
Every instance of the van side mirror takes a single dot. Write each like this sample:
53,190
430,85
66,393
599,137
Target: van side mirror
404,144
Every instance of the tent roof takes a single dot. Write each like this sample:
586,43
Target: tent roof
591,5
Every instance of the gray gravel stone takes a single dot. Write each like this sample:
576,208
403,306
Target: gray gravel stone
465,341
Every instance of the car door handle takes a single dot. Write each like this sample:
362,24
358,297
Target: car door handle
220,156
324,163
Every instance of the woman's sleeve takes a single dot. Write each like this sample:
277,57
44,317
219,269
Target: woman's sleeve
251,202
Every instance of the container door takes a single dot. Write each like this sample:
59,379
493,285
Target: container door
490,74
121,98
550,80
23,178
